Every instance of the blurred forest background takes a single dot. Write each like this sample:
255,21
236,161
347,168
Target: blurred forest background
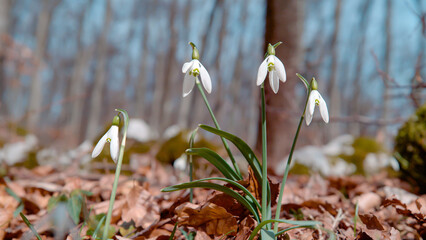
66,64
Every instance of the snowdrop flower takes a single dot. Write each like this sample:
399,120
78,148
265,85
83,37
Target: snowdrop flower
110,136
315,99
193,70
275,68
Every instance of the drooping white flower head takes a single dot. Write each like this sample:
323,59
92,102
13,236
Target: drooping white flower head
193,70
315,98
276,70
110,136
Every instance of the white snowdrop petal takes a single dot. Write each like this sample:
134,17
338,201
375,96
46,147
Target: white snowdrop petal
188,84
205,79
186,66
323,110
114,143
308,117
100,145
274,81
279,66
311,103
261,73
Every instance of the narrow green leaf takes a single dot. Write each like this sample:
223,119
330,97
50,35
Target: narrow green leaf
13,194
18,210
230,192
216,160
252,200
98,227
30,225
292,222
303,80
243,147
53,201
267,234
355,217
74,207
173,232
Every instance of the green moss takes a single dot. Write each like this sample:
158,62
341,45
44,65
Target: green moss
362,146
30,162
173,148
410,148
300,169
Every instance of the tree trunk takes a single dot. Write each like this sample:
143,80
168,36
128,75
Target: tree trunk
42,32
381,134
5,6
284,22
100,78
333,88
362,30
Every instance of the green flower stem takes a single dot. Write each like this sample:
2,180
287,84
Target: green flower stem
265,201
117,173
191,165
225,144
287,168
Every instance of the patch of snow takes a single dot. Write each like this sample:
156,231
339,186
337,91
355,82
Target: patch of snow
172,131
180,163
140,131
340,145
373,162
13,153
314,158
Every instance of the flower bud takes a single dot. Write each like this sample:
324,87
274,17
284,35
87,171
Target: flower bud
314,84
195,53
116,120
271,49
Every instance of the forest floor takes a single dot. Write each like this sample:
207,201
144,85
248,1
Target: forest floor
387,210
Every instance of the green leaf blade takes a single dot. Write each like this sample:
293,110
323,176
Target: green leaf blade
216,160
242,146
220,188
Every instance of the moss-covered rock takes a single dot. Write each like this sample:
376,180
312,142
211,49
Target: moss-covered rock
410,147
174,147
362,146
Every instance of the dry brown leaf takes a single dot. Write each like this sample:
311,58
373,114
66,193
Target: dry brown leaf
371,221
201,235
102,207
368,201
363,236
320,205
140,207
42,171
245,228
218,221
395,234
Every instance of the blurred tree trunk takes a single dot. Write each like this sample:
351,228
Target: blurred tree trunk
77,90
200,113
160,81
95,110
284,22
5,7
172,75
42,32
362,30
142,81
381,134
333,88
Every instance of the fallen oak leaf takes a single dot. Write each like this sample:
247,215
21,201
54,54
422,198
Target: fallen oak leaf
401,208
364,236
371,221
140,207
217,220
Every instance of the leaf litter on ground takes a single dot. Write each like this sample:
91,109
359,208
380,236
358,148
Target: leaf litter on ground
387,208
